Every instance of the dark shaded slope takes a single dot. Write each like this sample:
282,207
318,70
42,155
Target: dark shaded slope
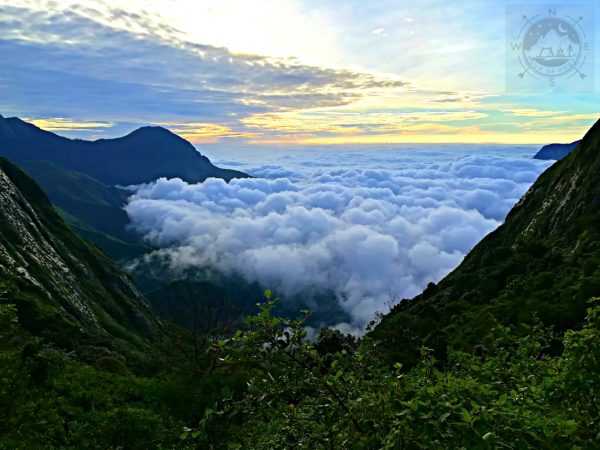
65,289
555,151
97,204
93,209
543,261
142,156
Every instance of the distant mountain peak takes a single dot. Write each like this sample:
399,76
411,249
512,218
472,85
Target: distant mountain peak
152,129
555,151
142,156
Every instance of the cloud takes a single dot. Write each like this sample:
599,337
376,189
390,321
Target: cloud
365,235
528,112
108,62
316,126
206,133
356,122
63,124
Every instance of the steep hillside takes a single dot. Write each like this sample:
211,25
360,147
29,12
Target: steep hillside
141,156
65,289
555,151
96,203
93,209
543,262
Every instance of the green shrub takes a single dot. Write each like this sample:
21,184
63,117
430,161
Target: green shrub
110,364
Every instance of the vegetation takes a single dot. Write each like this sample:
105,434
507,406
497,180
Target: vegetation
65,289
92,209
267,387
503,353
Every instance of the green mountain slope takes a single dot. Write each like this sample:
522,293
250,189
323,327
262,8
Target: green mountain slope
64,288
543,262
93,209
96,203
117,249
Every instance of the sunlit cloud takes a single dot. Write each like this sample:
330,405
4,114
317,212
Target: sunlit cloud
207,133
352,123
563,122
524,112
62,124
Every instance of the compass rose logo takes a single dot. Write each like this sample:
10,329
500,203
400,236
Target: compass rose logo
552,47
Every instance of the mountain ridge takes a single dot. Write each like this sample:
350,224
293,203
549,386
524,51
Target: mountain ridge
141,156
555,151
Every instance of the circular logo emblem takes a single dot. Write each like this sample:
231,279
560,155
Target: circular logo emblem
551,47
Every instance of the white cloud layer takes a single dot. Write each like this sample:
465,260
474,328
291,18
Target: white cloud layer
367,235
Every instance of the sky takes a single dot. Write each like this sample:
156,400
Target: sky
289,72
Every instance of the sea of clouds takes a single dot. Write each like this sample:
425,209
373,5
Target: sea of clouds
370,225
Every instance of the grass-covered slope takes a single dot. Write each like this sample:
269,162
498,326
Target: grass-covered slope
544,261
65,289
96,203
93,209
117,249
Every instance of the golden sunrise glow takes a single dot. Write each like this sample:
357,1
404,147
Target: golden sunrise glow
62,124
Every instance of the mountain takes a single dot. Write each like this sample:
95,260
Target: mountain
98,204
542,263
118,249
93,209
65,289
555,151
142,156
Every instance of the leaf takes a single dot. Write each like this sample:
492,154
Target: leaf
443,417
268,294
466,416
570,426
489,435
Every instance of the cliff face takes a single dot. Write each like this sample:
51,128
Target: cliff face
65,289
543,262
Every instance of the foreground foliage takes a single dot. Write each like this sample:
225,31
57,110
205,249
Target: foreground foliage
508,393
511,391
